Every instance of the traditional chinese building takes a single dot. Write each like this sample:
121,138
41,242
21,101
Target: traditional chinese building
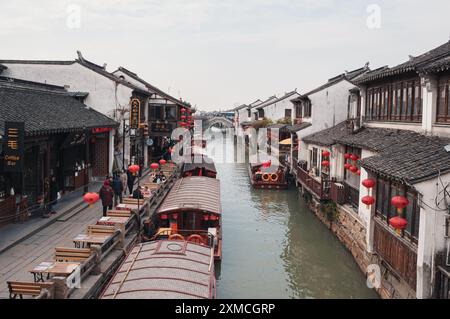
62,138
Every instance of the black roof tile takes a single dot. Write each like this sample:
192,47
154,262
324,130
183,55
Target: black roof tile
328,136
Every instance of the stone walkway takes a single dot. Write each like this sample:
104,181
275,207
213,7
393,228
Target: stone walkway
16,262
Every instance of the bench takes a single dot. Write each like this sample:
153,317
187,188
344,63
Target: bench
133,201
118,213
100,230
63,254
20,289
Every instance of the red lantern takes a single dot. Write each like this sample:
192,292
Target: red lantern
183,117
368,201
400,203
399,223
183,110
326,164
347,166
326,154
353,169
154,166
205,217
348,156
91,198
213,217
163,217
162,162
368,183
175,216
354,157
358,173
134,169
183,124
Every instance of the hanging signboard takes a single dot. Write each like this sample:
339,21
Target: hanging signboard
161,128
13,146
135,113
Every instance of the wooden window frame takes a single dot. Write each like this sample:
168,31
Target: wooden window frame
443,82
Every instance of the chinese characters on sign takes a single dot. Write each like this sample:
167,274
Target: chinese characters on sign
161,128
14,146
135,114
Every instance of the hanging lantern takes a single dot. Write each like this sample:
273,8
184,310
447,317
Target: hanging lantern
347,166
91,198
162,162
326,164
183,124
183,110
368,183
154,166
134,169
183,117
400,203
354,157
368,201
326,154
163,217
348,156
205,217
353,169
175,216
213,217
399,223
358,173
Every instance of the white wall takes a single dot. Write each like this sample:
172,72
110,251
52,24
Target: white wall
328,108
276,111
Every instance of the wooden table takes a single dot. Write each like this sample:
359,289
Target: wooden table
53,268
112,221
128,207
84,240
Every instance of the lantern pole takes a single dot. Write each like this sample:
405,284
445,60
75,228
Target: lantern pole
86,175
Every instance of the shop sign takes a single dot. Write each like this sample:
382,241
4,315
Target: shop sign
101,130
161,128
135,114
13,146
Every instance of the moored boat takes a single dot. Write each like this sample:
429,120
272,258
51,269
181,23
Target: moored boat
266,178
191,211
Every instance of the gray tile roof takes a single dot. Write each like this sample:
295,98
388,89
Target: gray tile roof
402,155
46,111
298,127
415,64
328,136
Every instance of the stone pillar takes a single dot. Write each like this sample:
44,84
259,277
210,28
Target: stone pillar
429,102
111,151
363,91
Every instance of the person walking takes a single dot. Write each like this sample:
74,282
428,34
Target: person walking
117,188
130,181
124,180
106,195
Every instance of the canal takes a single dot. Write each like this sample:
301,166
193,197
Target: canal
274,247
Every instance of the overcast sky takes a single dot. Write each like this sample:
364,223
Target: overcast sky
218,54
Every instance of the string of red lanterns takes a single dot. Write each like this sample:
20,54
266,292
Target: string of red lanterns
368,200
326,156
399,223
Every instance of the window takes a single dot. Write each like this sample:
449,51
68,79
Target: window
171,112
288,113
249,113
384,193
298,111
443,113
307,109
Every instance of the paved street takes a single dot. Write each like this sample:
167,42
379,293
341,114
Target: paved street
16,262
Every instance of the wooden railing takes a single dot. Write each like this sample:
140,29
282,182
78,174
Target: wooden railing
317,187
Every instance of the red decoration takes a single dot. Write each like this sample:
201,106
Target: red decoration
326,164
183,110
358,173
347,166
162,162
353,169
368,201
267,164
213,217
399,223
175,216
91,198
368,183
164,217
354,157
183,117
154,166
183,124
326,154
348,156
205,217
134,169
400,202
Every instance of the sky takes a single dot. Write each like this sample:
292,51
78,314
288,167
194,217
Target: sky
219,54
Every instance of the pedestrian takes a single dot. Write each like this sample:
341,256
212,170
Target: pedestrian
124,179
137,194
53,194
130,181
106,195
117,188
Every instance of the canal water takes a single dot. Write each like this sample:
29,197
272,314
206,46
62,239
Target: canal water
274,247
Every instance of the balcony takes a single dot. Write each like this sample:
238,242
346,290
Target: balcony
318,188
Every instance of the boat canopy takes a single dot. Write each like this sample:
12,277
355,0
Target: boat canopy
165,270
193,193
206,163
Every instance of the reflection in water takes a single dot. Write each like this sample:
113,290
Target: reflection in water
274,247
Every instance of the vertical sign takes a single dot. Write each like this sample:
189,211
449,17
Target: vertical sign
135,113
13,146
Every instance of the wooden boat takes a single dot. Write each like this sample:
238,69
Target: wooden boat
191,211
165,269
262,178
205,168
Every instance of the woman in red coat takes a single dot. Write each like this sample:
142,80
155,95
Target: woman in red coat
107,195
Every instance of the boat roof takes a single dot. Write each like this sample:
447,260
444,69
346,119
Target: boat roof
206,163
164,270
196,192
